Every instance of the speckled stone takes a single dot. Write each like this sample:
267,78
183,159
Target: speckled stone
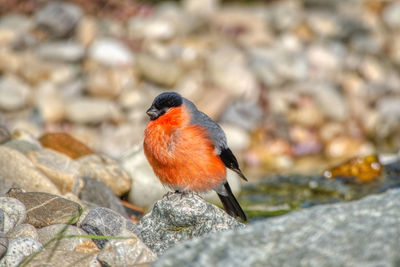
180,217
18,250
14,212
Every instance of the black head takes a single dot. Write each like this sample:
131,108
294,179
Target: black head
162,103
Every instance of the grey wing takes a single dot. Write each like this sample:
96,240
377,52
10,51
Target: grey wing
218,137
216,133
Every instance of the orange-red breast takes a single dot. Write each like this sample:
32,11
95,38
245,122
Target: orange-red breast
188,151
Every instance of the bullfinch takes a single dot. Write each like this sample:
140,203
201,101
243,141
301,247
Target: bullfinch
188,150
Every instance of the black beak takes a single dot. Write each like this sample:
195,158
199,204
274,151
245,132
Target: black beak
153,113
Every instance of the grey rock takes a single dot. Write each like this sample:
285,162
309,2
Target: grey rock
98,193
243,113
18,250
47,233
5,134
61,50
14,93
3,244
180,217
2,220
110,52
59,18
103,221
14,212
359,233
24,230
45,209
123,252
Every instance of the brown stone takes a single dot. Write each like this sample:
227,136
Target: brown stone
45,209
66,144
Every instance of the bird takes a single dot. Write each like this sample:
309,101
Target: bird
188,151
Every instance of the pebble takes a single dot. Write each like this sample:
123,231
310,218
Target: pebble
13,26
123,252
103,221
23,230
22,171
14,93
45,209
59,168
50,103
59,258
59,18
14,212
18,250
65,144
96,110
48,233
146,187
107,171
3,244
98,193
180,217
390,15
22,146
110,52
61,50
165,72
5,134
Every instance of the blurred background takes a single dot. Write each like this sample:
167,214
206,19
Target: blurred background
299,87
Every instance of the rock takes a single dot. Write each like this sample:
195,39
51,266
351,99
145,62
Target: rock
13,26
107,171
88,247
226,68
60,169
24,230
86,31
201,8
103,221
18,250
152,27
110,52
59,18
14,93
390,15
109,82
95,110
22,145
238,139
6,185
347,147
22,134
124,252
65,144
22,171
50,103
48,233
244,114
45,209
3,244
98,193
61,50
180,217
5,135
146,187
60,258
14,211
335,236
165,72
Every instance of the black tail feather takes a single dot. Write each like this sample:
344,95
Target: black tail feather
231,205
